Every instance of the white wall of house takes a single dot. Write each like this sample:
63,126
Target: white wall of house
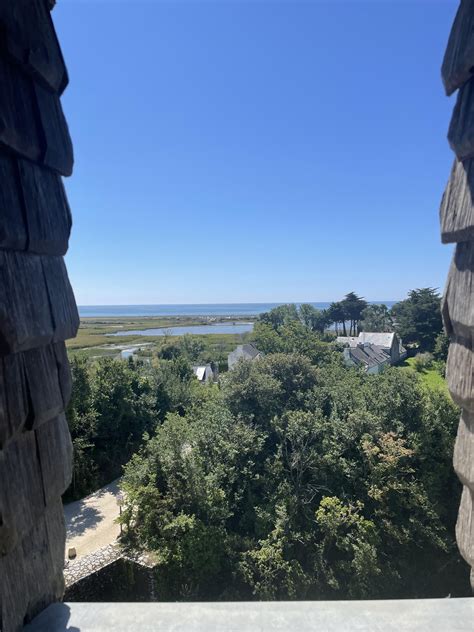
203,373
377,368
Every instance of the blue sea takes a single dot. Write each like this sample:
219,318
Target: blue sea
194,309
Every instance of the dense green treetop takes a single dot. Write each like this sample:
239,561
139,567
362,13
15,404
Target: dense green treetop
314,319
417,319
353,307
113,404
301,481
441,347
280,315
376,318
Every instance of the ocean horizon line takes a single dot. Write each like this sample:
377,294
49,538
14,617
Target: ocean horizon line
372,301
192,309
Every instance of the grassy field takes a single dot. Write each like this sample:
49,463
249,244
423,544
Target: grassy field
92,339
430,377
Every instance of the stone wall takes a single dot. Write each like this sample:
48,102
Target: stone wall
110,574
120,580
37,312
457,226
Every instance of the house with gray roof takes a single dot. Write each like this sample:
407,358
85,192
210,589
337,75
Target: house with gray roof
388,341
243,352
371,358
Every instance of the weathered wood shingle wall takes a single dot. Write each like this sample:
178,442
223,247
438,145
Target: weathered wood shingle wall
37,311
457,226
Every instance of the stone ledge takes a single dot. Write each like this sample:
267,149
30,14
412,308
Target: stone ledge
75,570
418,615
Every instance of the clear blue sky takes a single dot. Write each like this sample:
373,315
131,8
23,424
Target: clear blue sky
255,151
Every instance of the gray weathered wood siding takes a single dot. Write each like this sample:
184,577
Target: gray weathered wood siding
457,226
37,312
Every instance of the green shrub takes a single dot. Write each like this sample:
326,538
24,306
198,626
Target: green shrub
422,362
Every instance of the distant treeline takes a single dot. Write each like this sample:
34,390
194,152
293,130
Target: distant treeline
417,320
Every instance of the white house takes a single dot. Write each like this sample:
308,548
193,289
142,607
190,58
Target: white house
389,342
247,352
204,373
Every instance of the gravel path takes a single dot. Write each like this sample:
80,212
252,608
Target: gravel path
90,521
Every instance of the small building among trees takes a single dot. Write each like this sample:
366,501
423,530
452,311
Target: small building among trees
247,351
367,356
372,351
204,373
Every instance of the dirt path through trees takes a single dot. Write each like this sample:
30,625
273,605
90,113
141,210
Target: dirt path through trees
90,521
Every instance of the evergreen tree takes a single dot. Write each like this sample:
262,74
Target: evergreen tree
418,320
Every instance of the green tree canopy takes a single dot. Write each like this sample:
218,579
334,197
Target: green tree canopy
352,307
280,315
417,319
113,404
314,319
338,316
441,347
300,481
376,318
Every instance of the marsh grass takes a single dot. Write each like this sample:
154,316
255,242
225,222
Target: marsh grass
92,339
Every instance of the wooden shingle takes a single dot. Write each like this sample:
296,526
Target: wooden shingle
461,128
460,373
48,217
43,552
459,293
5,427
448,327
31,576
13,232
63,304
21,494
37,306
44,390
457,208
35,471
465,526
32,122
464,450
57,151
37,387
13,589
34,212
19,129
55,457
16,404
29,38
64,372
458,62
45,58
25,313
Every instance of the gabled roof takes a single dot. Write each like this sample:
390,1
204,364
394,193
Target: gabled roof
377,338
250,350
368,355
380,339
200,371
